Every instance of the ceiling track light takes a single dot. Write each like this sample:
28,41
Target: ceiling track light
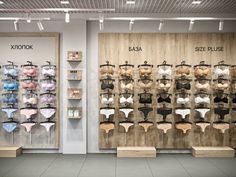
191,23
221,25
67,17
28,18
40,25
16,25
161,24
131,23
101,22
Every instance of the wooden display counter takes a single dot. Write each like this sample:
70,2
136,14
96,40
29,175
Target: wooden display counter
10,151
215,151
135,151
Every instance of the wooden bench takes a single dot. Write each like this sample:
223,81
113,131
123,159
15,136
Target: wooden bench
135,151
10,151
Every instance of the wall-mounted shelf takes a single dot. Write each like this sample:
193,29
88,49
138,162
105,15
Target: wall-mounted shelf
74,60
74,112
74,75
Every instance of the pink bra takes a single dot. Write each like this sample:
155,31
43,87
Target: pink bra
32,100
48,71
29,72
30,85
48,86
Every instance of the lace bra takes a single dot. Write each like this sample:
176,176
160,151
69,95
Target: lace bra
164,72
107,71
200,86
182,100
126,100
145,98
126,72
164,99
30,72
202,100
107,85
106,100
145,71
128,86
11,71
48,71
181,85
199,72
221,72
220,99
182,71
143,85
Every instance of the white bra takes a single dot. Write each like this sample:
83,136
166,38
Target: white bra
164,72
129,86
182,100
220,72
105,100
126,100
199,99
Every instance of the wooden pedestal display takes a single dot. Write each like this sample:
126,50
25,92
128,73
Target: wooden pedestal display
134,151
10,151
201,151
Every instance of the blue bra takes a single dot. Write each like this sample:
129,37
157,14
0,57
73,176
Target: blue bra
10,99
9,126
10,71
10,86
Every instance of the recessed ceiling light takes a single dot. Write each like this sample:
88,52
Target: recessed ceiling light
1,2
65,2
132,2
197,2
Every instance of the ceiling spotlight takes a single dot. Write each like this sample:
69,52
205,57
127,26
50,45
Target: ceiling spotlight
40,26
191,25
16,25
101,22
28,18
131,23
221,25
161,24
197,2
67,17
1,2
65,2
130,2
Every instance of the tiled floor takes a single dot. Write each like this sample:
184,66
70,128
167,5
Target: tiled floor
107,165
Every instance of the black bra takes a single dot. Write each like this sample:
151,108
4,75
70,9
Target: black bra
161,99
218,99
145,98
180,85
107,85
234,100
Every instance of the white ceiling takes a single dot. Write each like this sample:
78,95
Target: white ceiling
216,7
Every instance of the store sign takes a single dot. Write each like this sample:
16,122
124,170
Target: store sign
209,49
21,47
135,49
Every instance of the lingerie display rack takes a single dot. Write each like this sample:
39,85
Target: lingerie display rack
183,95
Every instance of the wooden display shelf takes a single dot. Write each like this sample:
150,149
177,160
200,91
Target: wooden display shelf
75,117
10,151
215,151
74,60
135,151
74,79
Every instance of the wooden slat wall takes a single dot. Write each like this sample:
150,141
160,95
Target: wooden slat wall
173,47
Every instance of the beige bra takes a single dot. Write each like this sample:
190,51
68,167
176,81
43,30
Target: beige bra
164,126
182,71
199,72
126,72
145,71
202,86
129,86
222,85
164,86
147,85
183,126
107,71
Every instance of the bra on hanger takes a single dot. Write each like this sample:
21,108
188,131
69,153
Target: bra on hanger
221,71
107,85
107,71
164,71
164,98
182,85
204,86
145,71
182,71
107,100
128,86
202,100
145,84
124,100
202,71
126,72
145,98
